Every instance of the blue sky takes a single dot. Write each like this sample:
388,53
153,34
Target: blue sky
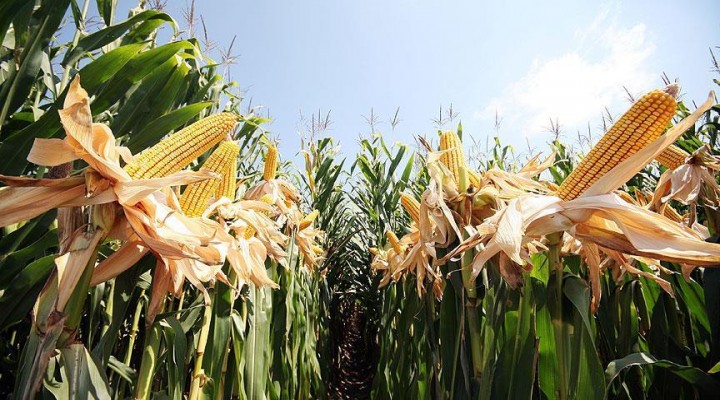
523,61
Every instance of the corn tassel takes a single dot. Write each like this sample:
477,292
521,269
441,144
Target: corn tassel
672,157
411,206
454,158
271,162
178,150
196,197
644,122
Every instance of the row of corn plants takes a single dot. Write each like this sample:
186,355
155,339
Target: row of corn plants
134,266
193,266
556,279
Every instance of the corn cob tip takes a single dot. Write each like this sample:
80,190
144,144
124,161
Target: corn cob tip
228,184
394,242
474,178
178,150
644,122
454,158
196,197
672,157
248,232
308,220
268,199
411,206
271,161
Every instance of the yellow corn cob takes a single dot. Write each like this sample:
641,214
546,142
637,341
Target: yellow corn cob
411,206
308,171
196,196
454,159
642,197
271,160
394,242
267,199
626,196
195,200
228,184
474,178
644,122
178,150
249,230
672,157
308,220
672,214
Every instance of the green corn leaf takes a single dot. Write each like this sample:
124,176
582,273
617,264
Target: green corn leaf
107,10
105,36
85,378
19,296
15,90
695,376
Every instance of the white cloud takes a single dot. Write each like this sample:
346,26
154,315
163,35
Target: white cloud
576,87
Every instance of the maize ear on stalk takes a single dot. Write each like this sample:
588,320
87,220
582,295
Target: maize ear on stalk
178,150
394,242
249,231
672,157
271,162
228,184
672,214
644,122
454,158
411,206
474,178
196,197
308,171
308,220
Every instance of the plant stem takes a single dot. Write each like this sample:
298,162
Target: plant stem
149,360
472,312
200,353
556,265
180,303
432,336
122,384
219,390
76,39
76,304
135,329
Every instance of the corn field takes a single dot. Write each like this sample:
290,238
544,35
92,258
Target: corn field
159,246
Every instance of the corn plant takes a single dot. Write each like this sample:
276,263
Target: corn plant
192,266
559,330
121,66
